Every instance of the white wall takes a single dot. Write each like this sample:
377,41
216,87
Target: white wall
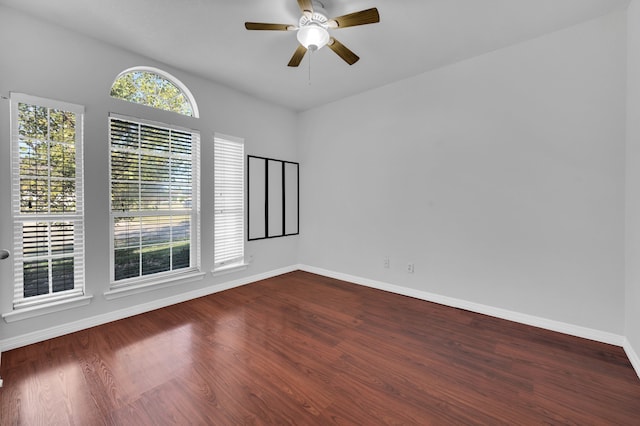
632,298
44,60
500,177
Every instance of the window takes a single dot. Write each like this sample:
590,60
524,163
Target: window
155,210
155,88
47,200
228,169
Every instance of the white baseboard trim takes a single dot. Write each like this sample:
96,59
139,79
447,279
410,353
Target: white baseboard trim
561,327
72,327
632,355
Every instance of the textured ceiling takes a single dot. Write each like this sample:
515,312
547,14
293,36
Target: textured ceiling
207,38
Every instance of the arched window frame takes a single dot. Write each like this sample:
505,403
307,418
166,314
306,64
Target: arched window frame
165,75
152,155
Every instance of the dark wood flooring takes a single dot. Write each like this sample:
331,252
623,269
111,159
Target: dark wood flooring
310,350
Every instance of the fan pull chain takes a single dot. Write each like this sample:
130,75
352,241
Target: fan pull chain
310,55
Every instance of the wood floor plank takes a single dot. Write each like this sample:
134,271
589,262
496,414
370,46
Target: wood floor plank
310,350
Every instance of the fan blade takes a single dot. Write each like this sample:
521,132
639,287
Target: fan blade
306,7
369,16
342,51
268,27
297,56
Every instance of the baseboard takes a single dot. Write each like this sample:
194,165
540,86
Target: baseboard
561,327
570,329
72,327
632,355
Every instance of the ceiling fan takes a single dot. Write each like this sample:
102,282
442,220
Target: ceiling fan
313,30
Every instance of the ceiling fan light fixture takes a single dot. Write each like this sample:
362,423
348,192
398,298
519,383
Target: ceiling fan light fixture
313,36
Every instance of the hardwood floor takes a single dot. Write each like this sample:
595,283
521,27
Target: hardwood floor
309,350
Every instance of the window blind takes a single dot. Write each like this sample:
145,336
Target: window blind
154,173
47,199
228,168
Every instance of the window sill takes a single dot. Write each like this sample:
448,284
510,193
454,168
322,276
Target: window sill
46,308
230,269
155,284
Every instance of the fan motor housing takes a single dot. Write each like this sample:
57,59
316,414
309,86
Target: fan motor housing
314,27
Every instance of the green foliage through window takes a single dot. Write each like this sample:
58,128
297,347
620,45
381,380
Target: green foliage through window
151,89
47,159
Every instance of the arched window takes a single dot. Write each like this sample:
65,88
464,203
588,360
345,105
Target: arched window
154,88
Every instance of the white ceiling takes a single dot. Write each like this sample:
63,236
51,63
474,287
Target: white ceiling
207,38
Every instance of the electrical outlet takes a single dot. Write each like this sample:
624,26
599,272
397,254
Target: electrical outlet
387,263
410,268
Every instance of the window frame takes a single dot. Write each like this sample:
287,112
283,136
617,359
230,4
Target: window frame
238,262
166,76
26,307
139,283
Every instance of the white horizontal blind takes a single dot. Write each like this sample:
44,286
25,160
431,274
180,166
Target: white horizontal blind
228,169
47,199
154,173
